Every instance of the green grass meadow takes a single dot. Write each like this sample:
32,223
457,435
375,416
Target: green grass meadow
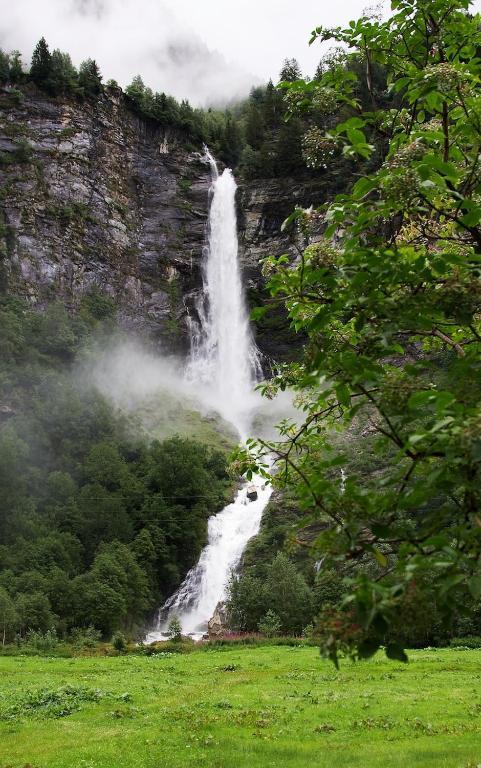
252,707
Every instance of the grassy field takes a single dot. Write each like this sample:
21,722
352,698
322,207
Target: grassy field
242,707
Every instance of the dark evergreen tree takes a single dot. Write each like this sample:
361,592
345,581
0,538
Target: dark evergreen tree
90,79
320,69
4,67
254,130
290,71
41,67
289,158
273,107
64,76
231,143
17,73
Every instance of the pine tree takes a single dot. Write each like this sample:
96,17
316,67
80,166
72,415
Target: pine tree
273,108
64,76
17,73
231,143
4,67
290,71
90,78
41,67
320,69
255,130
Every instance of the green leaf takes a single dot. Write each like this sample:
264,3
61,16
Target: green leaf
343,394
380,557
474,586
363,186
472,218
420,399
257,313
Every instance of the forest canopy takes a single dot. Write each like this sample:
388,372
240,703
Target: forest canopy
97,527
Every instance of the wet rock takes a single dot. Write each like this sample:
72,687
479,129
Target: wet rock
6,411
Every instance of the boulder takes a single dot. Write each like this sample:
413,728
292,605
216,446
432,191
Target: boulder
217,625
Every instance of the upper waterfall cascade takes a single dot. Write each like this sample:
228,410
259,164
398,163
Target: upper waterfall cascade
225,361
223,354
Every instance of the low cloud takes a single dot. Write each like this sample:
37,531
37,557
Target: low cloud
128,37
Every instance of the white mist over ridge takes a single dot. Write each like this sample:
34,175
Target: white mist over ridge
139,381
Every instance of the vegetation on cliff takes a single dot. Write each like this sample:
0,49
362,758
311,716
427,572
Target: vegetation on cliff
252,135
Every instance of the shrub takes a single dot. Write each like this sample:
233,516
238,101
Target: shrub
119,642
175,629
85,638
42,641
471,641
270,624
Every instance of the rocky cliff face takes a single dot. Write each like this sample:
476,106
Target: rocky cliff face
92,195
263,206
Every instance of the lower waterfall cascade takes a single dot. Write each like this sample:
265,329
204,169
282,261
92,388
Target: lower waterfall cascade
224,359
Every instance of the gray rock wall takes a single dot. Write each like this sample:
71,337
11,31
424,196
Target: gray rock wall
92,195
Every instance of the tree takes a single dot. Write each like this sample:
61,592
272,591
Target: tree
289,148
289,597
251,164
231,142
290,71
175,629
272,108
119,642
4,67
392,310
246,602
254,130
17,73
8,616
90,79
41,66
34,611
283,592
64,76
270,624
136,92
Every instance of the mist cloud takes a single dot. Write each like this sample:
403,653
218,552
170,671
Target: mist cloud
128,37
209,51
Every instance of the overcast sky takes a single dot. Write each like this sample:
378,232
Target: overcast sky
203,50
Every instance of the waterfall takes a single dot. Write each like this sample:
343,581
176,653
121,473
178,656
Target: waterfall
224,363
224,358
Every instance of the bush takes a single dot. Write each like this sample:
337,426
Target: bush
472,641
42,641
175,629
270,624
119,642
85,638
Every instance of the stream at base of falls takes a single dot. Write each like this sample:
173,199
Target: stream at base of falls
225,364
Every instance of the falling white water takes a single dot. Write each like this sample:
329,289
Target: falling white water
224,363
205,584
224,358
